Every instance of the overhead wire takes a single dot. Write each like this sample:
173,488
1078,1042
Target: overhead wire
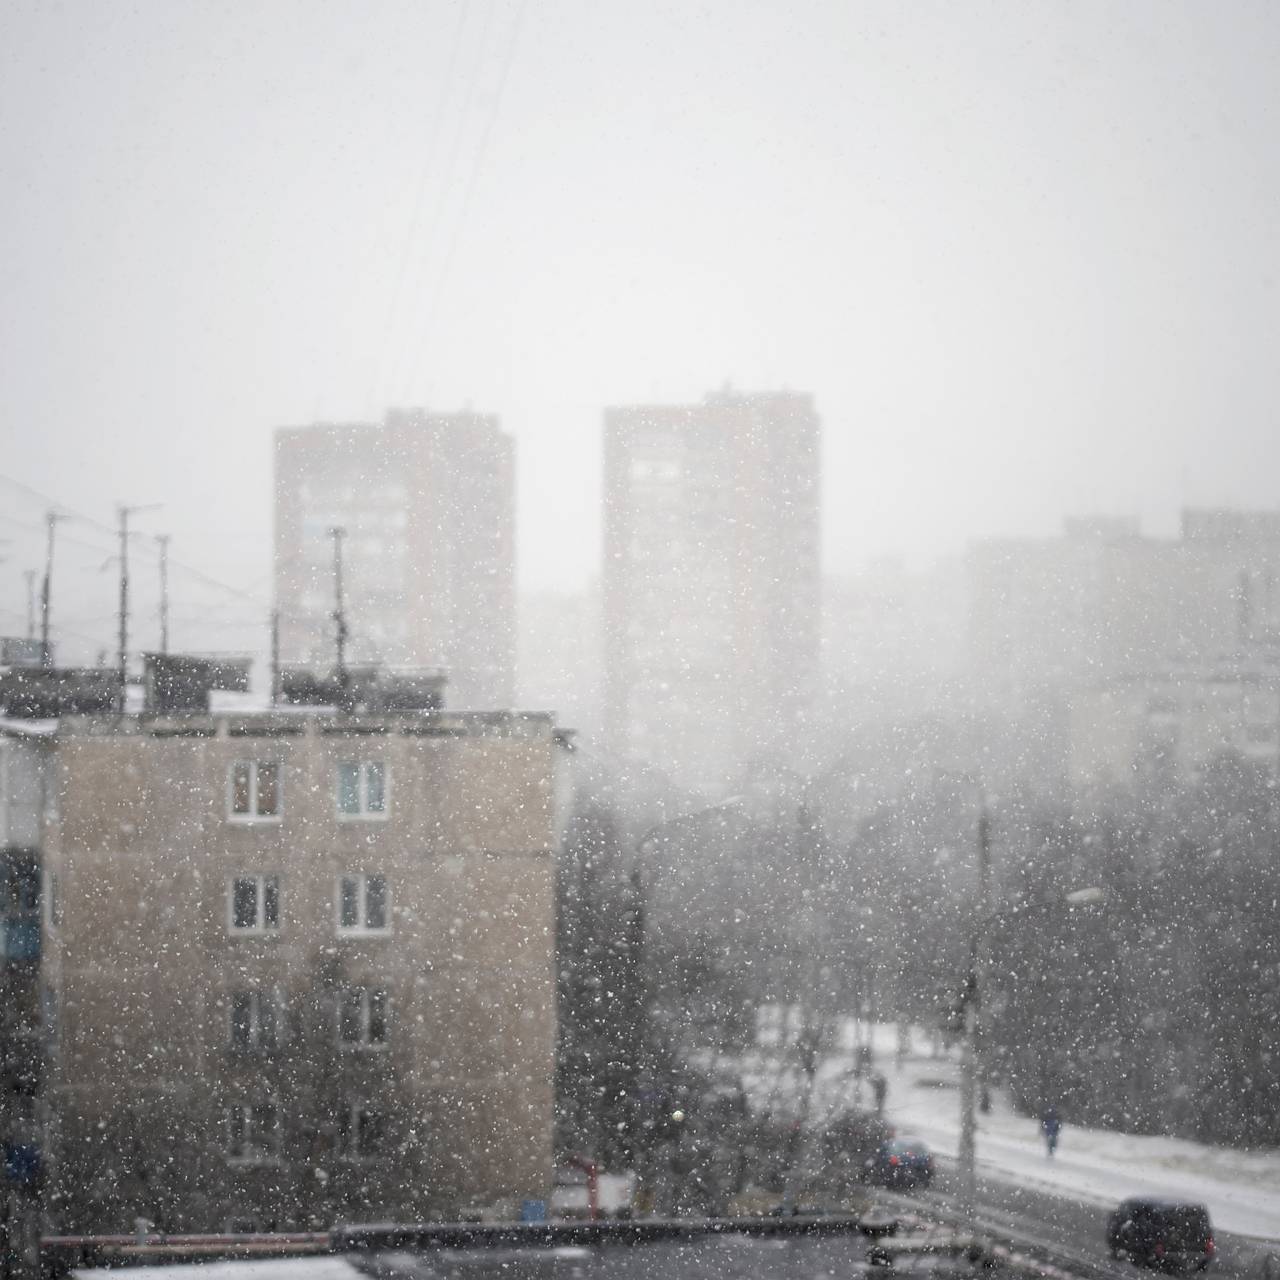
80,635
146,542
429,156
407,345
433,296
103,544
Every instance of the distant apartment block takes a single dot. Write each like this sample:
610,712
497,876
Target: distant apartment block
1165,729
1056,615
559,657
278,969
427,502
893,641
711,582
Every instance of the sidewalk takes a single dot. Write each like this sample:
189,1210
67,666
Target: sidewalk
1241,1189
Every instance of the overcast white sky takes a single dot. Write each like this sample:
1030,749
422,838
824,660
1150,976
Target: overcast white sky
1024,254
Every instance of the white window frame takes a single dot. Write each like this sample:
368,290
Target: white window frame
246,1110
365,995
52,890
363,813
260,927
350,1130
361,927
258,998
254,816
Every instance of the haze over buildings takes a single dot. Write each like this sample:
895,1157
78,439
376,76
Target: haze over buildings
712,599
592,228
298,960
426,505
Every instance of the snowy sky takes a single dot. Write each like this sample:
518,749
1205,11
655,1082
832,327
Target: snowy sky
1024,254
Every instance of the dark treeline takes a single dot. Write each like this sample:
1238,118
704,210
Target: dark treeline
1132,949
1156,1008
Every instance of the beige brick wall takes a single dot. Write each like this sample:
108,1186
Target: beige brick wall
146,963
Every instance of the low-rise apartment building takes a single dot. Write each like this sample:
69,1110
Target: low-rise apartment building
298,967
23,794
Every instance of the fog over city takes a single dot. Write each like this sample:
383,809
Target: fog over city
1024,255
640,638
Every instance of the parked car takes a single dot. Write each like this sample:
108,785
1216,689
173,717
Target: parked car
1167,1235
849,1144
901,1162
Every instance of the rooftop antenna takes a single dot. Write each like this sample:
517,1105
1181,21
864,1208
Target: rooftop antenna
51,518
275,656
162,540
337,533
122,657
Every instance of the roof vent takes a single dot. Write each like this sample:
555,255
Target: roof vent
184,681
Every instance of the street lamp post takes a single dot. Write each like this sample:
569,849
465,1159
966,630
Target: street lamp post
972,1047
977,989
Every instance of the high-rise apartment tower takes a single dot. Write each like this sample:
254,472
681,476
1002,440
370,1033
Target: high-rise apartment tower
426,505
711,582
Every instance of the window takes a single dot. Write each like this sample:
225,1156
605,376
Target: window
253,1131
254,904
363,904
362,1018
19,887
363,1131
253,791
19,909
362,789
255,1020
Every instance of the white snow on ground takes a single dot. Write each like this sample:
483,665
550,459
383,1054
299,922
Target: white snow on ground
1240,1188
250,1269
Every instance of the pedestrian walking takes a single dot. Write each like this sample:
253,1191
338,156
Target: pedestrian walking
1050,1126
879,1087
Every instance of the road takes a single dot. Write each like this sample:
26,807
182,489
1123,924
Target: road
1071,1228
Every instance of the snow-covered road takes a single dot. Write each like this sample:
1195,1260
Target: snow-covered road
1241,1189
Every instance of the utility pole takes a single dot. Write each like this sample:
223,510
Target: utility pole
122,658
982,954
275,656
162,540
46,654
123,665
339,612
971,1049
30,575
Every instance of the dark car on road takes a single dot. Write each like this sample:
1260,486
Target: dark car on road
901,1162
1167,1235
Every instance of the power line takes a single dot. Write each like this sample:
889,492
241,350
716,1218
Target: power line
62,515
434,295
148,546
62,626
428,157
445,184
45,500
142,540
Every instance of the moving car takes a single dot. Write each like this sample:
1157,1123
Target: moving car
1168,1235
901,1162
